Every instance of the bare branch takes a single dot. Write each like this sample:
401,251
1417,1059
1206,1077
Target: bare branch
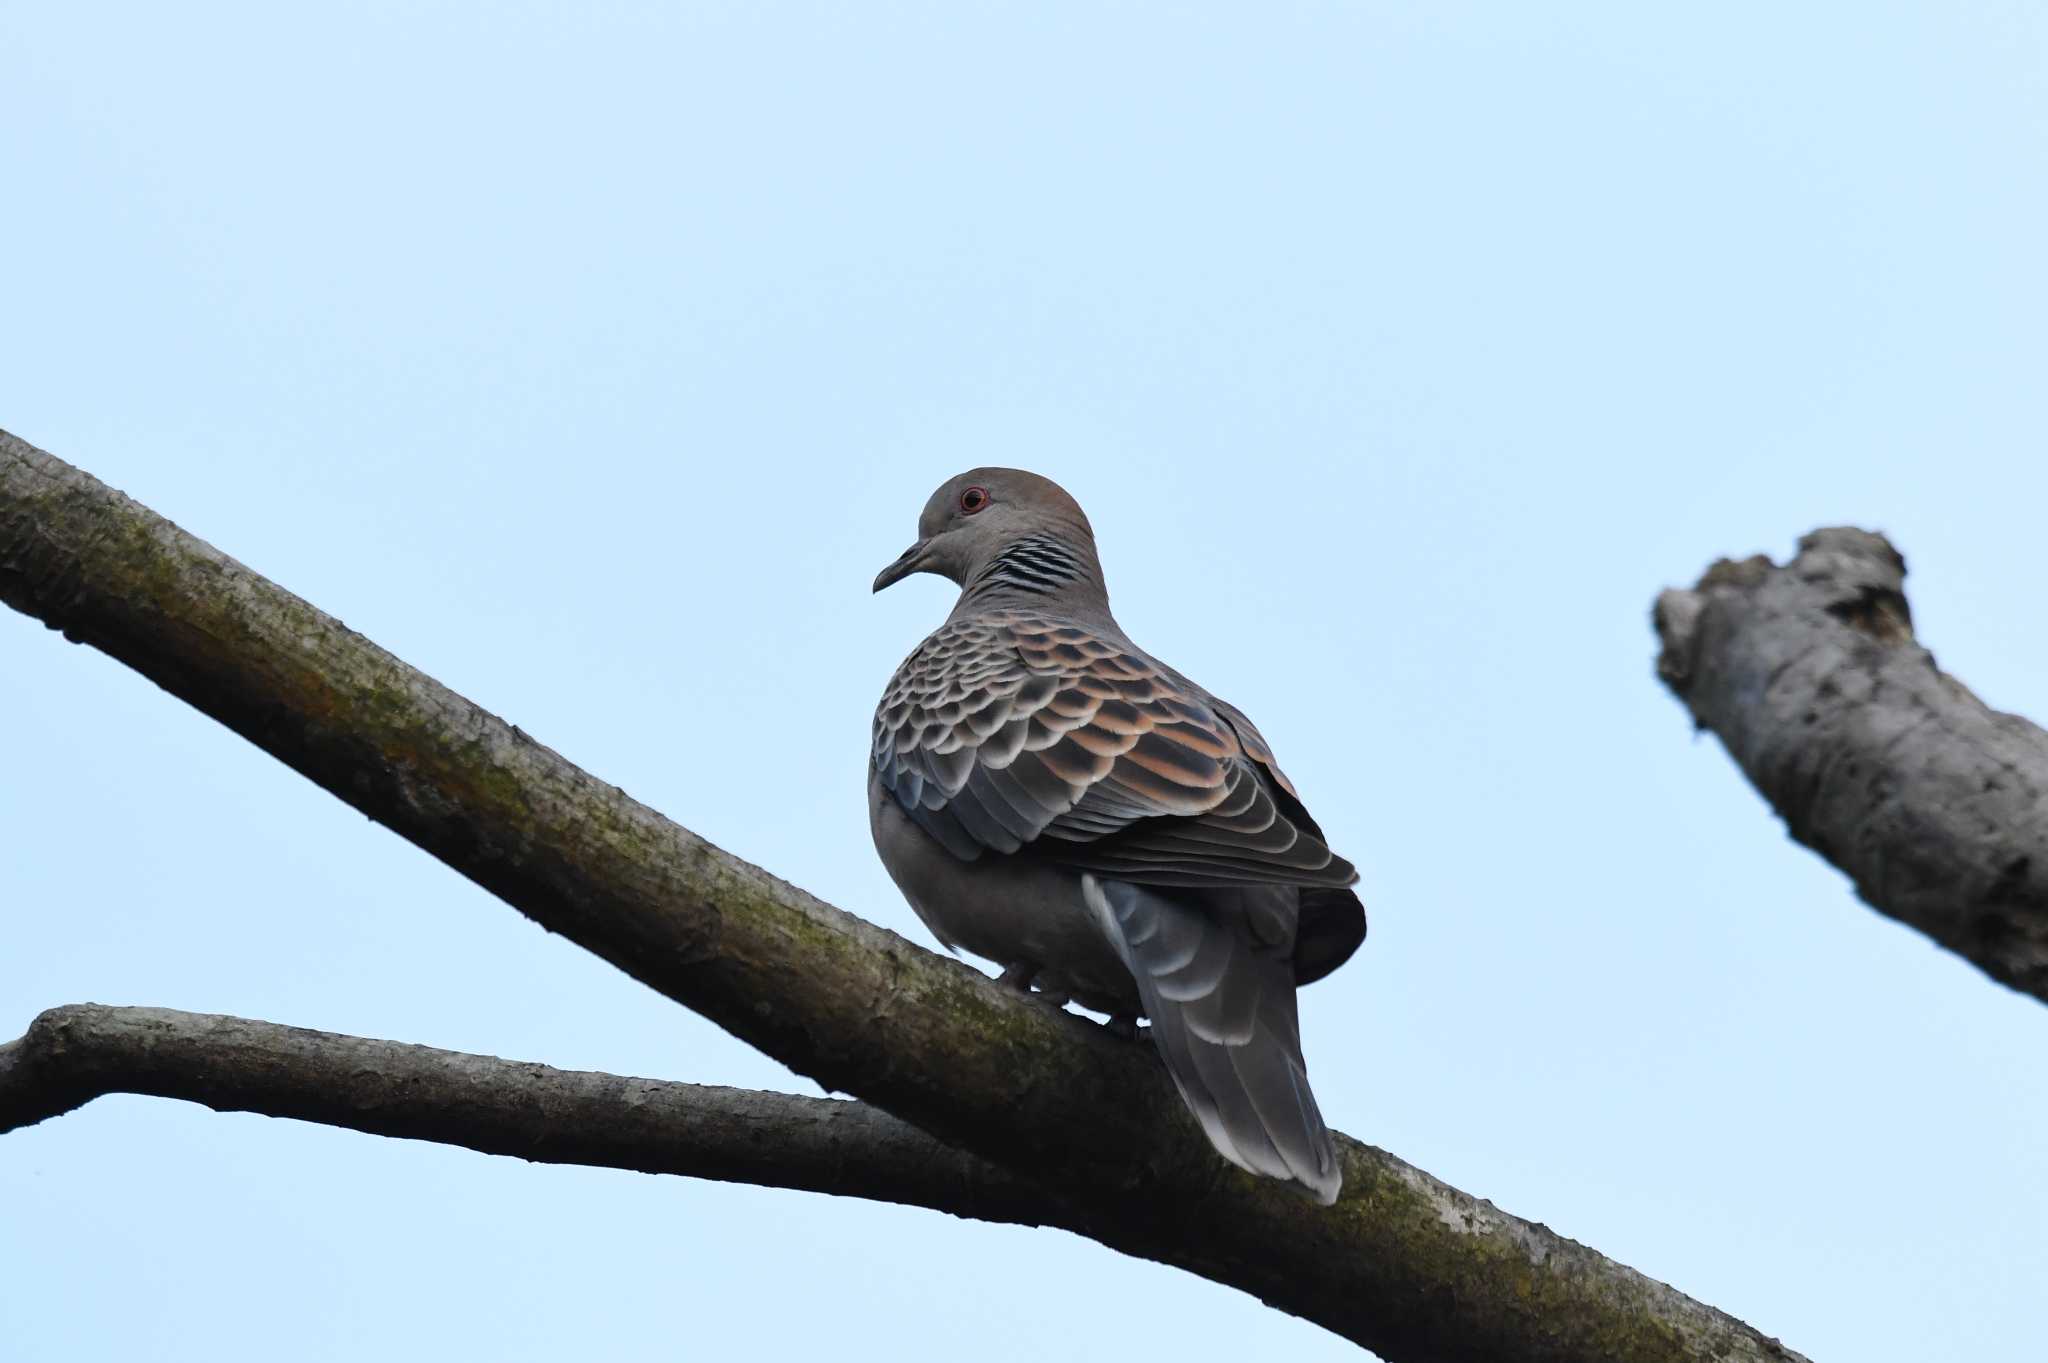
1403,1264
74,1054
1933,803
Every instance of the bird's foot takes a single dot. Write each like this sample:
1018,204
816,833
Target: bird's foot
1018,977
1119,1025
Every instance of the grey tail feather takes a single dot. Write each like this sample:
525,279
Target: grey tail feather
1223,1015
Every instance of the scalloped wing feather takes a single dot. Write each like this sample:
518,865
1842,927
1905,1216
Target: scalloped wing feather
1016,729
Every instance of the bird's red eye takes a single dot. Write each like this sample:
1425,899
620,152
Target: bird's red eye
973,499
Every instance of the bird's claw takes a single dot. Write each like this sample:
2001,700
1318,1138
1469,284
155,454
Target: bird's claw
1019,978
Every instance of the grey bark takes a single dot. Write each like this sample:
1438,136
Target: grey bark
1933,803
74,1054
1403,1264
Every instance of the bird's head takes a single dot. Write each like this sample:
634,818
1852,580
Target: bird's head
979,516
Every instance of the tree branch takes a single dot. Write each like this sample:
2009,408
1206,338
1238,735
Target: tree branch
1403,1264
1933,803
71,1055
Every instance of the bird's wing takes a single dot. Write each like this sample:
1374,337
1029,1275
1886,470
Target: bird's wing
1332,918
1016,730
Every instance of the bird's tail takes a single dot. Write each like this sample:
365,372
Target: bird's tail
1223,1015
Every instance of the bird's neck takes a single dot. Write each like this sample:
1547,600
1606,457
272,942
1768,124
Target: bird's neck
1043,570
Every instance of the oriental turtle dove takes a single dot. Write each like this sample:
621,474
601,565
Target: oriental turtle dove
1049,796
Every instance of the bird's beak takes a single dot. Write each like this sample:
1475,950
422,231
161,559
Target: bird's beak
912,561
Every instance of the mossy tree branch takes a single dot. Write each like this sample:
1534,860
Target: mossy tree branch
1403,1264
1933,803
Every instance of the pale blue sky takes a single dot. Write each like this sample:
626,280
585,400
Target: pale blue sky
593,359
